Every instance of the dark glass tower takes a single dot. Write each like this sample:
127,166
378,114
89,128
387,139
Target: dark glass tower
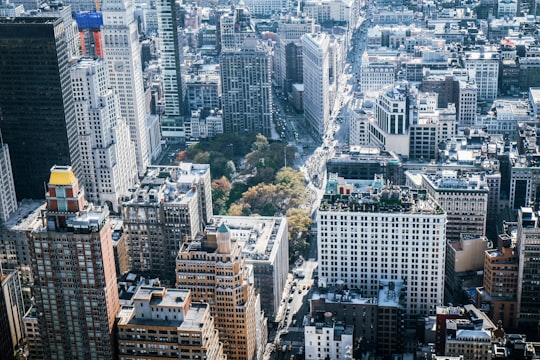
36,98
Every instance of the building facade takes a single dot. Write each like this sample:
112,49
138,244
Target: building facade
265,245
215,271
165,323
246,78
316,76
74,271
109,167
499,292
173,92
38,112
463,197
528,250
171,205
12,335
8,198
368,232
123,59
328,339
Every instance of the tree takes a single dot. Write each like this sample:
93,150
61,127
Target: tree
299,222
221,189
202,158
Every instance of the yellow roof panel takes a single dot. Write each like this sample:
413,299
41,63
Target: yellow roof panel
62,175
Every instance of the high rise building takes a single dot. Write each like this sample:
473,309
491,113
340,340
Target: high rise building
171,205
38,112
288,68
466,103
14,247
123,58
11,313
392,120
316,75
33,338
376,75
235,27
75,280
368,232
214,269
8,198
109,168
90,37
246,78
528,250
484,64
464,197
265,246
185,328
58,9
171,123
83,5
498,296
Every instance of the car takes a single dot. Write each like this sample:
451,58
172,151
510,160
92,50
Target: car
291,299
299,290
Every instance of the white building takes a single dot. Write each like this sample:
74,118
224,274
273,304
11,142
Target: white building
316,68
390,130
505,114
328,339
337,11
359,123
123,58
507,9
369,232
8,198
485,66
265,7
213,125
375,75
109,168
393,16
466,106
464,197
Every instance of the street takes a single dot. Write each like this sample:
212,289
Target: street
314,153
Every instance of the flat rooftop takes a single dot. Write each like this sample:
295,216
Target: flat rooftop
256,235
27,213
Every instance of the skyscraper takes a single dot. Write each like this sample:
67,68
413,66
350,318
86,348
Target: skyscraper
316,75
247,88
109,168
38,114
215,271
11,313
75,280
123,58
528,250
172,125
8,199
